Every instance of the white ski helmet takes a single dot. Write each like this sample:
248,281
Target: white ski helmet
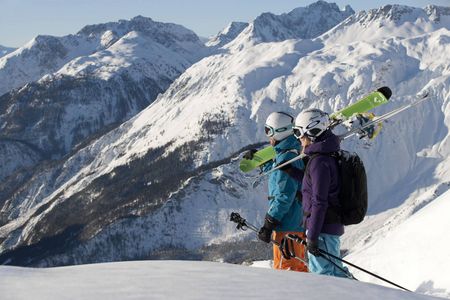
279,125
312,123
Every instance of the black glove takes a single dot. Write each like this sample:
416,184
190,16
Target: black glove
265,233
313,247
249,154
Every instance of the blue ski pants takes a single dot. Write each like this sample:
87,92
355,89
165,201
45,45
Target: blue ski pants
319,265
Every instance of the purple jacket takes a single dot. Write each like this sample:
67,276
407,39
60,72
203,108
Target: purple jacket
321,187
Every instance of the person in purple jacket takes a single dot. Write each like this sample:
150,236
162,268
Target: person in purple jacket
320,190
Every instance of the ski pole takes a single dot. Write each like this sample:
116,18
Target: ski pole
303,242
242,224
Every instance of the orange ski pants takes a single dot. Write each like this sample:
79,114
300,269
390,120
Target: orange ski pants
292,264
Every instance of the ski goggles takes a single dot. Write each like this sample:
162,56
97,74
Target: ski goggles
301,132
270,131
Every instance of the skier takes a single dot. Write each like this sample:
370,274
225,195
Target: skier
320,190
285,209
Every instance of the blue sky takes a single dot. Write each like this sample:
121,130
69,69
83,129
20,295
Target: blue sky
21,20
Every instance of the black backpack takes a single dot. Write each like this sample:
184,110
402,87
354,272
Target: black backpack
353,194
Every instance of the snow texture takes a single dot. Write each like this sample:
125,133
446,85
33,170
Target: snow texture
182,280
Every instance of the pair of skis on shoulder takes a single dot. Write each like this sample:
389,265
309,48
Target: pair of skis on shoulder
363,105
372,100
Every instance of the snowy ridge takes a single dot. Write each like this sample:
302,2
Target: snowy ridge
168,177
301,23
389,21
47,54
5,50
227,35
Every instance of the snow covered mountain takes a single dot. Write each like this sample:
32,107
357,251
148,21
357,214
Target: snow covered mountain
181,280
227,35
47,54
125,66
5,50
396,20
301,23
163,183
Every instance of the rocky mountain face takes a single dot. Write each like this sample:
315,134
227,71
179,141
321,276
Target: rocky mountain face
162,184
127,64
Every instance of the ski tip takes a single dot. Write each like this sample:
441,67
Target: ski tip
387,92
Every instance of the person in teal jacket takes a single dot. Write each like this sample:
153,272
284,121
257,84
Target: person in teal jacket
285,209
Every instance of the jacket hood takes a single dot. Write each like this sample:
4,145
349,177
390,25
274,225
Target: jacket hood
328,142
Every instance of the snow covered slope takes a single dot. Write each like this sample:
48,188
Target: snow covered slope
167,179
419,244
182,280
127,65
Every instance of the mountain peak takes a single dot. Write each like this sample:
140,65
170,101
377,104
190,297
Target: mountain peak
301,23
323,6
437,13
166,33
227,35
140,18
137,22
397,20
396,13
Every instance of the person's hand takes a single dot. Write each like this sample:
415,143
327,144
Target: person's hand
313,247
249,154
265,232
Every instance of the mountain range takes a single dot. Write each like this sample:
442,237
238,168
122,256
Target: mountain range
79,87
163,182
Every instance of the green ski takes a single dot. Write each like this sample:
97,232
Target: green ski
259,158
367,103
374,99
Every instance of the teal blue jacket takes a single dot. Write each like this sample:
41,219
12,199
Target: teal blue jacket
283,203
